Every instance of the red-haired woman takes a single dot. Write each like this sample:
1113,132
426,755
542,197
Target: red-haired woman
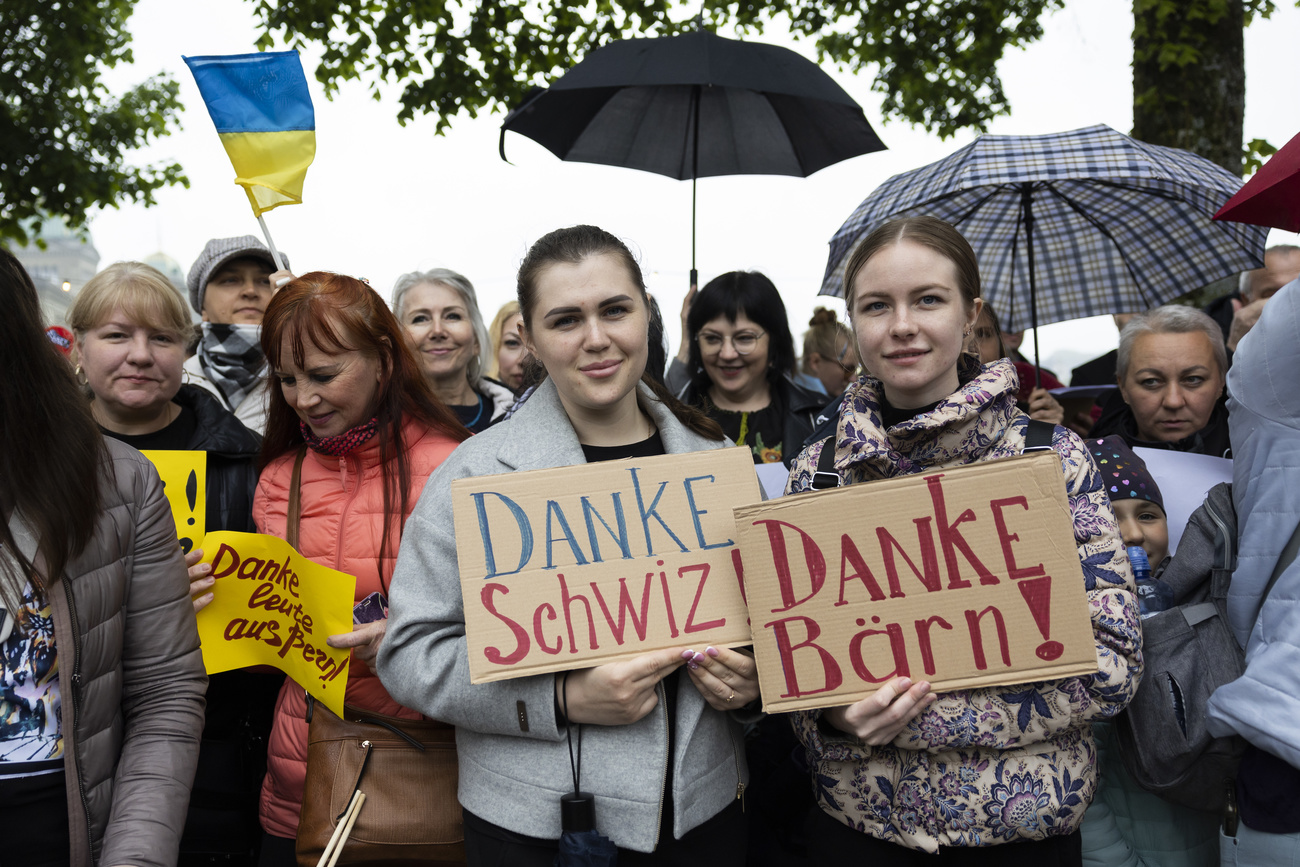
349,401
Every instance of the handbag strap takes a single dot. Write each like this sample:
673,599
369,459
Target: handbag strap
295,499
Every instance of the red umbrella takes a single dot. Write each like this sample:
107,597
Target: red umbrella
1272,196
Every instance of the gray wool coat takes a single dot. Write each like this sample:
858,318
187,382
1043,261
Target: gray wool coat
514,757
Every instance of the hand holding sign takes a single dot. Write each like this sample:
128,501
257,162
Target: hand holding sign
728,679
616,693
200,579
878,718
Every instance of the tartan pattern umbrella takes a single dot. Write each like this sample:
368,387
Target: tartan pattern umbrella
1070,224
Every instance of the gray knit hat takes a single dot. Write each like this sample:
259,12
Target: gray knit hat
218,252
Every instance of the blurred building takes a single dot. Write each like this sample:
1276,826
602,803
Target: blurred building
171,269
61,268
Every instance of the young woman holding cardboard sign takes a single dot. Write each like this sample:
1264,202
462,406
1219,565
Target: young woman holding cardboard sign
661,753
906,773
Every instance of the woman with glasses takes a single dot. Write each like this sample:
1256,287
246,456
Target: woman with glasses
829,360
741,357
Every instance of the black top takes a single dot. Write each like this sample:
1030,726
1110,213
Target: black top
651,447
175,437
891,415
762,431
477,416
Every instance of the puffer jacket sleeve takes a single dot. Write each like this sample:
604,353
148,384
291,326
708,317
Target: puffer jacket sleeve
424,661
163,684
1013,716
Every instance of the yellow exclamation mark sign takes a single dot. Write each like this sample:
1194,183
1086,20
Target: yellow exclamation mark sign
184,477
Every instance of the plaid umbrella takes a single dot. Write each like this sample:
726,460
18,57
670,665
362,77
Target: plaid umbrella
1070,224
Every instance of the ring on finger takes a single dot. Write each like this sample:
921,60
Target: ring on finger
728,699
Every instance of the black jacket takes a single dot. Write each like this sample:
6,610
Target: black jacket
802,407
232,460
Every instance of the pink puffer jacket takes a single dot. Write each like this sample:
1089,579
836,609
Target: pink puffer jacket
341,527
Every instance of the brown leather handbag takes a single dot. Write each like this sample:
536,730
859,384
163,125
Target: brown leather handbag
406,768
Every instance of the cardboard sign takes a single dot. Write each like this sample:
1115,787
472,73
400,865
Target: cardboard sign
962,577
185,482
272,606
577,566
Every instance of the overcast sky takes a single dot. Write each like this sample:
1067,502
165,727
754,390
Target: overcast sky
382,199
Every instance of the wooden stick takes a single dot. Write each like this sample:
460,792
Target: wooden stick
347,829
275,254
338,831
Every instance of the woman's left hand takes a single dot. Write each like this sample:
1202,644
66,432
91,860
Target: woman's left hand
728,679
364,641
1043,407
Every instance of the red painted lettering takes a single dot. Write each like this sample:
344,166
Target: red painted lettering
813,558
849,556
1006,538
831,676
625,607
951,538
977,639
566,602
537,629
923,636
494,655
929,562
896,645
691,625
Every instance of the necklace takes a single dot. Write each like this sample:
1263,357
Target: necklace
478,415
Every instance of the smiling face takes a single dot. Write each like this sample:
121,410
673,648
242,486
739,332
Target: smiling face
132,369
909,316
1172,384
1144,524
439,329
331,392
238,293
739,379
589,330
511,354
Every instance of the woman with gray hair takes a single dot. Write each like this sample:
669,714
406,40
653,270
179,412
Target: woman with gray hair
1171,369
439,312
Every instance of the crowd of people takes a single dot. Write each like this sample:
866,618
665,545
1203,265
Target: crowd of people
338,422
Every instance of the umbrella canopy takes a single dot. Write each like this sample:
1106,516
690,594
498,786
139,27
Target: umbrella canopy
696,106
1272,196
638,103
1071,224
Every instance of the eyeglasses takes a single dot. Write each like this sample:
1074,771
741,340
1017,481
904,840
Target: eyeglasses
839,359
744,343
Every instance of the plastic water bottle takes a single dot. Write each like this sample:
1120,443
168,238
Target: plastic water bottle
1153,596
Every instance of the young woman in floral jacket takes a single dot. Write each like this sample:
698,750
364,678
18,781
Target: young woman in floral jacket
994,775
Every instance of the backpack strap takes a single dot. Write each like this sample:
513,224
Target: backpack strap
1038,436
825,476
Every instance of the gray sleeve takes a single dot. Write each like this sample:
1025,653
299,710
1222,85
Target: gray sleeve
424,661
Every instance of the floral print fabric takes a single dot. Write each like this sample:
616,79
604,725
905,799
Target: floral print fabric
30,714
985,766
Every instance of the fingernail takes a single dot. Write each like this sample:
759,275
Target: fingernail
697,658
904,683
205,568
692,665
712,651
688,655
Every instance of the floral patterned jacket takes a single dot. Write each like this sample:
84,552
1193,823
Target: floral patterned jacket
986,766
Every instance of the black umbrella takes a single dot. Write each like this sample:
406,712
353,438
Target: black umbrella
696,106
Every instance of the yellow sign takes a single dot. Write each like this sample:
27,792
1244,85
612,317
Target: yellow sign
272,606
184,477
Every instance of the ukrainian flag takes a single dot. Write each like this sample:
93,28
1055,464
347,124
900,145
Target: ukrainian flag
262,110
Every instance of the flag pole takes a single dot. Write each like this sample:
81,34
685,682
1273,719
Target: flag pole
275,254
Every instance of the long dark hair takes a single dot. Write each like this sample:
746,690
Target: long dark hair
573,245
51,451
754,295
341,314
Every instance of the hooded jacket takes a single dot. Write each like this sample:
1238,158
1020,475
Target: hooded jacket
130,673
514,759
1263,705
992,765
341,527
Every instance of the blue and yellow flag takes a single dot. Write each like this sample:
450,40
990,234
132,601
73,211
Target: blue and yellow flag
262,110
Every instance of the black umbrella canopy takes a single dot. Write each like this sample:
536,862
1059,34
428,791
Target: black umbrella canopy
637,103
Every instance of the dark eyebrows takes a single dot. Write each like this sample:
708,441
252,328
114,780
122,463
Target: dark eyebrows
567,311
1195,368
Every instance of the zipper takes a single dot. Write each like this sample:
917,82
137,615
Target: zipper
1227,537
740,783
347,505
76,706
663,780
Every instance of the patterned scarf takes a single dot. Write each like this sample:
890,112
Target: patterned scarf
231,358
340,444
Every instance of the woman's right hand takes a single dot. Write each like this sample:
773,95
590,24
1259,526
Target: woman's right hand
616,693
200,582
878,718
